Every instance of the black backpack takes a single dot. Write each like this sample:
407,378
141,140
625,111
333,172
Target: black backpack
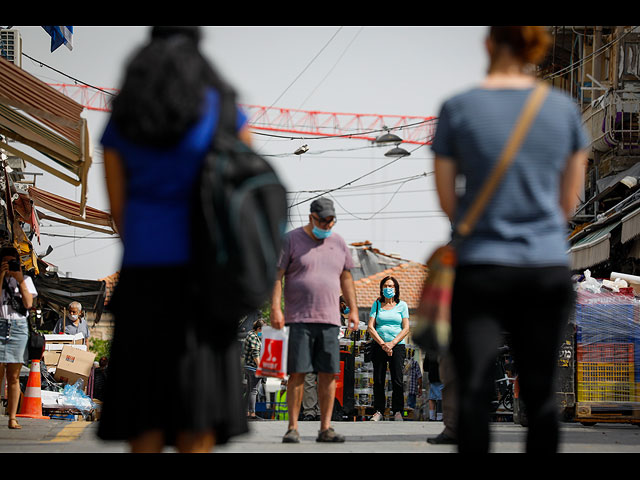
240,215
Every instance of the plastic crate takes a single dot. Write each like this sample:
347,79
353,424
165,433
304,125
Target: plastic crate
605,372
606,392
606,353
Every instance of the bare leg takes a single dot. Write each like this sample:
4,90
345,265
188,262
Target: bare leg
188,442
148,442
295,390
13,387
326,396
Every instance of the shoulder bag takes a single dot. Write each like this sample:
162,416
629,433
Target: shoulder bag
432,327
368,346
36,344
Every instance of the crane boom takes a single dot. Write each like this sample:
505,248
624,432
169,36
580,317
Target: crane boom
415,129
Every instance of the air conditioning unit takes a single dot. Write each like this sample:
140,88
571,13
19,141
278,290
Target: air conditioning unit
11,46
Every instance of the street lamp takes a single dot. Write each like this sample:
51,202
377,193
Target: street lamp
387,138
397,152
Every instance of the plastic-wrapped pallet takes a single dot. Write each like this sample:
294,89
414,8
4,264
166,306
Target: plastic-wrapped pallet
608,347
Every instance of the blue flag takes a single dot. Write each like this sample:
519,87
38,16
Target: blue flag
60,36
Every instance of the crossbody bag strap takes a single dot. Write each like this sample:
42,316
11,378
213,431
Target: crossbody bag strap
528,114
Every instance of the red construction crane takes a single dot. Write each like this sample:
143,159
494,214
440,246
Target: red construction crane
413,129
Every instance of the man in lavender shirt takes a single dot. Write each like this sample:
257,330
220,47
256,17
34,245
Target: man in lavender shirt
315,264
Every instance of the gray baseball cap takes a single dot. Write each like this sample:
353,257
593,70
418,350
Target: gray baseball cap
323,207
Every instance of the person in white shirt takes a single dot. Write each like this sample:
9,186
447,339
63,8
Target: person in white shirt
16,298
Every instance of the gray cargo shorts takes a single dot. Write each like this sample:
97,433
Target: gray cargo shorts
313,347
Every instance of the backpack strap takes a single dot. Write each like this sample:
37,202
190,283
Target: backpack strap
227,111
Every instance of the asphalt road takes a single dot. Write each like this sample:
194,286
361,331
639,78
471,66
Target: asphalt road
59,436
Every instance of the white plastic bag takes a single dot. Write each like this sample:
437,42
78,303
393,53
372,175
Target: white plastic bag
273,353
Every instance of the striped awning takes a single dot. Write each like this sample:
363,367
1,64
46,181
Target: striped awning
594,248
93,219
630,226
36,115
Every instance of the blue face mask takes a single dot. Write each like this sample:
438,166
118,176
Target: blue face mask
388,292
259,334
321,234
346,310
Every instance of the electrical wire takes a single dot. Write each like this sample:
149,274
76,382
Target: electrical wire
42,64
395,216
373,184
111,237
332,68
88,253
350,182
368,194
347,135
376,213
303,70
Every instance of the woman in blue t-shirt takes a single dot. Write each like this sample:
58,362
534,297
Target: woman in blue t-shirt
512,273
162,124
388,326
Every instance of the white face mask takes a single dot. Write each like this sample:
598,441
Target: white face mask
73,317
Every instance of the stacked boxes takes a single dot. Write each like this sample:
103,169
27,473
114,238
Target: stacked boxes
363,381
608,350
68,358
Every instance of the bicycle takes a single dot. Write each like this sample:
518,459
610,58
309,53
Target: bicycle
504,383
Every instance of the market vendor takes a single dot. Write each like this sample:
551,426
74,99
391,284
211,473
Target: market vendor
74,323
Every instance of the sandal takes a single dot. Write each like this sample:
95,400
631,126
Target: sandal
14,425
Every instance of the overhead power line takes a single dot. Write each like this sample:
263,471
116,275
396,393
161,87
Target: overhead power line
349,183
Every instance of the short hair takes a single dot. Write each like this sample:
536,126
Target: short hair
258,324
77,305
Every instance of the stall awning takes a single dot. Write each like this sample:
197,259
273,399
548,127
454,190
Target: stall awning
36,115
62,291
630,226
93,219
594,248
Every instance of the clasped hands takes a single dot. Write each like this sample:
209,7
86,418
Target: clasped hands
387,347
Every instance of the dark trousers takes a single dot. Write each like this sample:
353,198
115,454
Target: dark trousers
395,362
532,305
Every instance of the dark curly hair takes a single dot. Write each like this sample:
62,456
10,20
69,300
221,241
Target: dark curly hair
163,89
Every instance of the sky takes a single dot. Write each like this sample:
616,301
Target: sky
345,69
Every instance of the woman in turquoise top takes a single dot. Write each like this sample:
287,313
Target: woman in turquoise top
388,326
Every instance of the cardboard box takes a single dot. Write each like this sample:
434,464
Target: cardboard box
74,363
51,357
77,339
52,352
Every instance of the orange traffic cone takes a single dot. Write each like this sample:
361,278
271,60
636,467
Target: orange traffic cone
32,400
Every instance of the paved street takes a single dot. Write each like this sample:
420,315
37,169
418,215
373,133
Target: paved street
56,436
